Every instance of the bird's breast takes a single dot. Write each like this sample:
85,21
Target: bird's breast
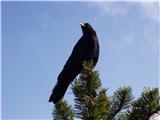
92,49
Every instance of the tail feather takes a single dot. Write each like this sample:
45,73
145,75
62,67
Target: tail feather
58,92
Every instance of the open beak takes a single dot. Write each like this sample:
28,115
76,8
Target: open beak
82,25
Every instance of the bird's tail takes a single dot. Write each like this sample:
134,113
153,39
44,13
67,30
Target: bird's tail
58,91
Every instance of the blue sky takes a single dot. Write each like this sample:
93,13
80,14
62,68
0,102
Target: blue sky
38,37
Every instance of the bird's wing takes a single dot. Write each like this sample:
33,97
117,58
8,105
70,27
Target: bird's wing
77,55
74,63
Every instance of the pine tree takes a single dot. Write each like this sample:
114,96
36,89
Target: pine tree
91,102
62,111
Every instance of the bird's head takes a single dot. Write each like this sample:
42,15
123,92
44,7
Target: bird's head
87,28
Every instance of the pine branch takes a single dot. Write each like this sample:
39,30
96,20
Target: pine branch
120,99
62,111
146,105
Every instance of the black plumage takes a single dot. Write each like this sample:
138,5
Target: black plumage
87,48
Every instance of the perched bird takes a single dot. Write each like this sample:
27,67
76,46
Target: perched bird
87,48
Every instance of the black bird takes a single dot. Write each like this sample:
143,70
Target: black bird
87,48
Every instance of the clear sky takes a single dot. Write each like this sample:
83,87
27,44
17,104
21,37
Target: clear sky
38,37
